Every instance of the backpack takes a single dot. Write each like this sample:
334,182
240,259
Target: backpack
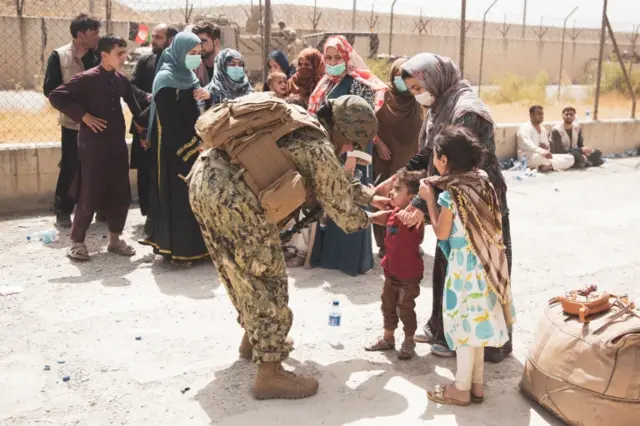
247,129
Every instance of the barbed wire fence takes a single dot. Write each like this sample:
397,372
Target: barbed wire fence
496,54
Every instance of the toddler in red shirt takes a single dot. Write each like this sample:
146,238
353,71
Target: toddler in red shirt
403,269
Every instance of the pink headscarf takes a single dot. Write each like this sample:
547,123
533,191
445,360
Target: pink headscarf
356,68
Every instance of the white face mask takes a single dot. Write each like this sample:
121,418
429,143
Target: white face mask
425,99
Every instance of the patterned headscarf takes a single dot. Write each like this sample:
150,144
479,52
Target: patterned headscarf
221,83
305,79
454,97
356,68
479,211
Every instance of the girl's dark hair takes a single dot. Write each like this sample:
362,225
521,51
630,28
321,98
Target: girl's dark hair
461,148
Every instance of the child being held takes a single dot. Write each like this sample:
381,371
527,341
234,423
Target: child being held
403,269
277,83
477,308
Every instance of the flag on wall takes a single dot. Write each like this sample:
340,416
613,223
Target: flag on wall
139,33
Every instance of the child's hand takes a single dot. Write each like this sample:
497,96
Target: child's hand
426,190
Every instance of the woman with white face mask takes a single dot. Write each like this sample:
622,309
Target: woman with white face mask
436,83
345,74
171,228
399,123
229,80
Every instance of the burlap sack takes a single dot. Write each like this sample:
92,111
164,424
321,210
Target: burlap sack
587,374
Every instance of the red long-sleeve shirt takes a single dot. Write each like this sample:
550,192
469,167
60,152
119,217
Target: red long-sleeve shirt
402,258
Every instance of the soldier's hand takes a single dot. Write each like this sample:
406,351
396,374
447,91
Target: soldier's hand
381,217
381,203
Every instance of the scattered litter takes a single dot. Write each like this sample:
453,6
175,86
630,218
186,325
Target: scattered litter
633,152
8,290
185,390
47,368
138,337
61,361
556,189
66,378
44,421
507,164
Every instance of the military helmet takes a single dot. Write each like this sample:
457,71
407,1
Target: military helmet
355,119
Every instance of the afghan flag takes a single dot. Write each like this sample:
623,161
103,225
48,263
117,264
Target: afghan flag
139,33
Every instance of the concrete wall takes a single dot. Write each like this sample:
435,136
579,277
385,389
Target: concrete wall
28,176
28,172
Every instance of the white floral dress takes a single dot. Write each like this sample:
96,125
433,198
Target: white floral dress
472,314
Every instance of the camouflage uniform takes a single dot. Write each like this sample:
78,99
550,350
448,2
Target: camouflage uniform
246,248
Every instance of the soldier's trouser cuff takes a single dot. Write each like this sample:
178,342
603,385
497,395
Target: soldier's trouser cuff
262,357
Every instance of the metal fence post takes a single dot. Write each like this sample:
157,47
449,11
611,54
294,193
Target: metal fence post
266,45
596,102
484,26
627,78
463,34
393,5
564,31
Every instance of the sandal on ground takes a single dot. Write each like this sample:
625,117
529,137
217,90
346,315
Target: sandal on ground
380,345
427,337
441,350
78,251
122,249
407,350
437,395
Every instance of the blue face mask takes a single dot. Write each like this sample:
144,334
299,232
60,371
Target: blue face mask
192,61
400,85
336,70
236,73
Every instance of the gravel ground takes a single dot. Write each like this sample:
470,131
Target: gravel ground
132,336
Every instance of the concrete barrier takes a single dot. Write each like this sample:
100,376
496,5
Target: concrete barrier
29,171
28,176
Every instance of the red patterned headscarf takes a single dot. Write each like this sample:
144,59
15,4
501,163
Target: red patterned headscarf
356,68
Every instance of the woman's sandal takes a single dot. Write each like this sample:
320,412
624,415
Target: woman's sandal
426,337
380,345
437,395
122,249
78,251
477,399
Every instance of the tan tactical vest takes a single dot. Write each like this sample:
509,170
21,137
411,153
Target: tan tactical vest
70,65
247,129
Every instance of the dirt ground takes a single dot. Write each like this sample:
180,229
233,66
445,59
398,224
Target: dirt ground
84,321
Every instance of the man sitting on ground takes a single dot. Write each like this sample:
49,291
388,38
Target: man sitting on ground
566,138
533,145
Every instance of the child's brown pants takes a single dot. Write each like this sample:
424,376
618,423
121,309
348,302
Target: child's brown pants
399,303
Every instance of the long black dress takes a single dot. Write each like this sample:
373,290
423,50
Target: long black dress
171,228
484,131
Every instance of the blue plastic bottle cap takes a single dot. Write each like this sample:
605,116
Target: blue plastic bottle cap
66,378
336,303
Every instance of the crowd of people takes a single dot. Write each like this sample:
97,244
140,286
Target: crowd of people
431,147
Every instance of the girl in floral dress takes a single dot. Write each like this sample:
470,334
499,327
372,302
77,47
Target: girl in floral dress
477,308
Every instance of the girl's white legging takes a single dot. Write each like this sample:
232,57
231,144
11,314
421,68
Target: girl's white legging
470,363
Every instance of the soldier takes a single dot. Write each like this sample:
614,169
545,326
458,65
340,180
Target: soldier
246,248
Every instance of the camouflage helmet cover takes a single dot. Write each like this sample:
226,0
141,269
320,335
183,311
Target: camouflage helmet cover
355,119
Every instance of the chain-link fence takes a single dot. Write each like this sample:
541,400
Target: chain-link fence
511,63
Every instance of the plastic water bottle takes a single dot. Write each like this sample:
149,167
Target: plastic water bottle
45,236
587,115
335,318
525,165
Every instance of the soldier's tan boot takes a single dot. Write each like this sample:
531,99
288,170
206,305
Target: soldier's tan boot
246,348
274,382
